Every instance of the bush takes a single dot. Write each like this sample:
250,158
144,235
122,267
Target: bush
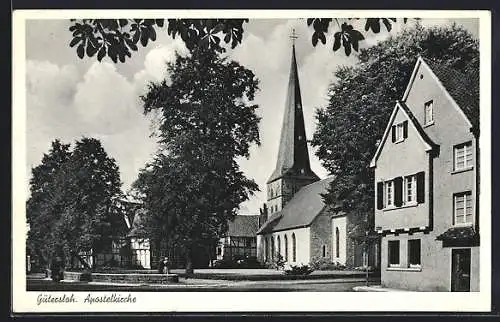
299,270
325,265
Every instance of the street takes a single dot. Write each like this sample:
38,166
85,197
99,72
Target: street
199,285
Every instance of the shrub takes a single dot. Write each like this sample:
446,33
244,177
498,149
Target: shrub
325,265
299,270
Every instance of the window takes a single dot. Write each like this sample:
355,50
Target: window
278,242
410,190
463,156
428,113
219,251
286,248
463,208
414,253
399,191
337,242
400,132
272,248
294,248
389,193
266,249
393,252
324,250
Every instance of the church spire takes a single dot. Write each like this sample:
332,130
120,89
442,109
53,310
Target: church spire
293,157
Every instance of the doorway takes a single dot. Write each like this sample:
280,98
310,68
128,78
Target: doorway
460,270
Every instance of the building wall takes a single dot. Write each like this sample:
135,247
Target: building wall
449,129
232,247
321,236
341,224
302,237
435,271
141,253
401,159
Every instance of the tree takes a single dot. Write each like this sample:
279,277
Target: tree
41,183
75,210
117,38
207,121
362,99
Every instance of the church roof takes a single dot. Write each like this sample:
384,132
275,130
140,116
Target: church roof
293,156
301,210
243,226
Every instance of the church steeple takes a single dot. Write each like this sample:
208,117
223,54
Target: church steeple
293,157
293,170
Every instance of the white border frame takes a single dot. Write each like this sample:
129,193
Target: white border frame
23,301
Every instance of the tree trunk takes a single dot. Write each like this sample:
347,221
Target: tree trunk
189,261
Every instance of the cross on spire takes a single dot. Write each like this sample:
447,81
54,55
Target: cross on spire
293,36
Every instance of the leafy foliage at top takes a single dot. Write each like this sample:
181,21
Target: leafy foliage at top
207,121
73,200
360,103
118,38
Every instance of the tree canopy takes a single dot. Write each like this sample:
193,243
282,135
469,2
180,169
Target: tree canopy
207,121
361,101
118,38
73,198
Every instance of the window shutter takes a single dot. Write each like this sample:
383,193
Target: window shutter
421,187
398,191
380,195
405,129
393,134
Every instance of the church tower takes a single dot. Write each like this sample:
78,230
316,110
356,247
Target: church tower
293,170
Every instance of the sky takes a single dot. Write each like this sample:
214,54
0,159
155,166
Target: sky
68,98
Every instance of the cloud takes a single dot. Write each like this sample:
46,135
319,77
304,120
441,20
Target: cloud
269,57
65,103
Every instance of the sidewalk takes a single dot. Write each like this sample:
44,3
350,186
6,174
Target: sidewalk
376,288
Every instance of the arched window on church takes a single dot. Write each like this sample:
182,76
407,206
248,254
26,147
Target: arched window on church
337,242
286,248
294,248
272,248
266,249
278,243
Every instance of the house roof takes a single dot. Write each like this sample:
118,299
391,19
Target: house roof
462,89
301,210
429,144
459,236
243,226
293,156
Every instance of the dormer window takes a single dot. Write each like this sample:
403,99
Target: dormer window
400,132
429,113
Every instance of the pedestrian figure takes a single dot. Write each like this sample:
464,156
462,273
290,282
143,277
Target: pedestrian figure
166,266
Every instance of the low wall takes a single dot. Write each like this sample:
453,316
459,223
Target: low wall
132,278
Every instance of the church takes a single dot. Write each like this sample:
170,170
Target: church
295,222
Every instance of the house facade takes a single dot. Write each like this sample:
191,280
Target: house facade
241,238
426,177
295,222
